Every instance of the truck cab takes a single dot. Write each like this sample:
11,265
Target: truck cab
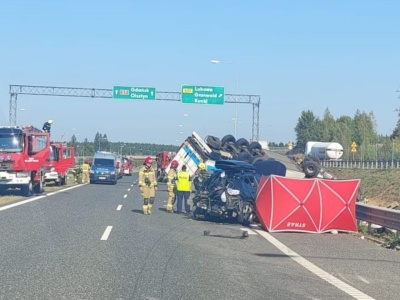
61,159
104,168
23,154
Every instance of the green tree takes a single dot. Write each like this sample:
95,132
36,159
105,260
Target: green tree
307,128
329,131
365,133
345,131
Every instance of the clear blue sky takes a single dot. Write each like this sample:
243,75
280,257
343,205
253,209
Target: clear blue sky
297,55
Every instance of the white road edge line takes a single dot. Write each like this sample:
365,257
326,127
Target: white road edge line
348,289
106,233
119,207
37,198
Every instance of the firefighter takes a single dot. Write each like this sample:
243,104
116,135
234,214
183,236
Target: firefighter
171,184
85,171
147,185
47,126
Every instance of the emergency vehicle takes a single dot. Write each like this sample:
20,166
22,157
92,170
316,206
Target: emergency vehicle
23,154
163,159
61,159
127,166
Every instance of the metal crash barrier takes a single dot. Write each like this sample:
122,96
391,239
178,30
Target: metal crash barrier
386,217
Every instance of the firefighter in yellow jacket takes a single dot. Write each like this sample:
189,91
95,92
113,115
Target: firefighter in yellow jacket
147,185
85,171
171,184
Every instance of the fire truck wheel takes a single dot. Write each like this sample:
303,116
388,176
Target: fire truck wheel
38,187
27,189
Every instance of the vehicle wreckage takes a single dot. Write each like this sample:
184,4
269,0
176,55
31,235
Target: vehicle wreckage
235,167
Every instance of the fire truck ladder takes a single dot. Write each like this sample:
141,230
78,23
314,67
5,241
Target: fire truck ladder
16,90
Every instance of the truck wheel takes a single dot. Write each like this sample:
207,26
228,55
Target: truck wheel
313,158
27,189
255,146
228,139
311,169
245,156
257,158
38,187
213,142
242,143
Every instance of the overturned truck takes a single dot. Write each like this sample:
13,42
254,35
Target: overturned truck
194,150
236,166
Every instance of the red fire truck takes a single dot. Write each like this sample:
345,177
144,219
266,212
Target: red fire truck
61,159
23,154
127,166
163,159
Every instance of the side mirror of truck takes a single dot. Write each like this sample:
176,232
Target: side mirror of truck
30,147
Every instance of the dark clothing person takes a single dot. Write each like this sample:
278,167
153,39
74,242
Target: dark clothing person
47,126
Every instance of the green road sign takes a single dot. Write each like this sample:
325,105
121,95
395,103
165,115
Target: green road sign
202,94
141,93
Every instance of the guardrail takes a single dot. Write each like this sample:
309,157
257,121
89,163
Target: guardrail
386,217
361,164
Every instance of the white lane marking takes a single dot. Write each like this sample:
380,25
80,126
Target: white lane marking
348,289
119,207
129,190
37,198
106,233
131,184
251,232
125,195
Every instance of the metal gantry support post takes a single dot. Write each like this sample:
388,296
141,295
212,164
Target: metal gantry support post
16,90
12,115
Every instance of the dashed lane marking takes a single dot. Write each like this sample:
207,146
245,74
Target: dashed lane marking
106,233
125,195
119,207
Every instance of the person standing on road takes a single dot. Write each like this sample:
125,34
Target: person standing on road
183,189
147,185
171,184
85,171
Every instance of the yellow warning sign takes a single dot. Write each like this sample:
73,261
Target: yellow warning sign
354,147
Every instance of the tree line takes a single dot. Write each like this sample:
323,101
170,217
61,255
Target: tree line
360,129
102,143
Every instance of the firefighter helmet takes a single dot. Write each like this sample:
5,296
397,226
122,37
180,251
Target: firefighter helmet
202,166
50,121
174,164
148,160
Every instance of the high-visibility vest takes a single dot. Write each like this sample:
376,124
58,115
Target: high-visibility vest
183,182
